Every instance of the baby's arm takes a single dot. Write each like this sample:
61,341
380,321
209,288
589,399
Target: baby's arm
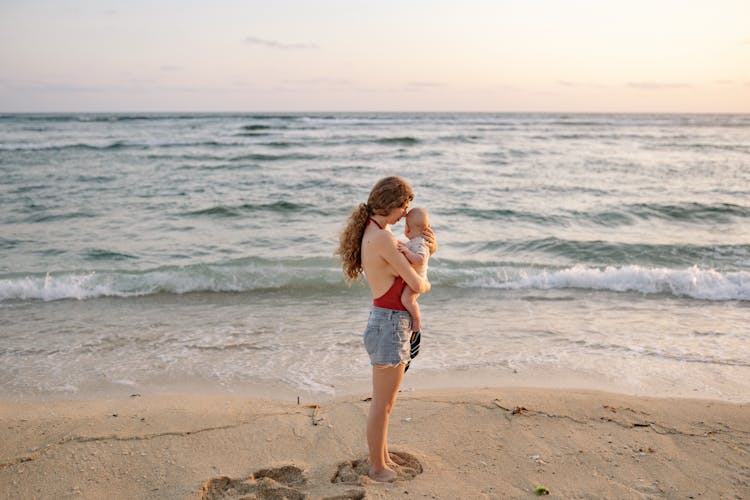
415,259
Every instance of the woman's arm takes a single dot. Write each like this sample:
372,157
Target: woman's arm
399,263
429,238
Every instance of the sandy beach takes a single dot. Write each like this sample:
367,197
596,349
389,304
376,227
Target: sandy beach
480,443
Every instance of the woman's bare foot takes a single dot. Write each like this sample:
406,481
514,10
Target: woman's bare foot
384,476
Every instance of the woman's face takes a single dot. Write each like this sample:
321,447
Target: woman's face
396,214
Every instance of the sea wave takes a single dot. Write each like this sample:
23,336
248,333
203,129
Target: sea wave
256,127
625,215
92,117
71,145
702,146
399,141
283,207
315,276
693,282
690,212
116,145
268,158
40,216
501,214
463,118
599,252
242,275
279,116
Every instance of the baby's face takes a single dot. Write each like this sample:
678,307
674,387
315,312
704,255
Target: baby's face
412,228
408,230
416,222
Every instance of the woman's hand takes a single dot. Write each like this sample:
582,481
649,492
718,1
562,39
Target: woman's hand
429,238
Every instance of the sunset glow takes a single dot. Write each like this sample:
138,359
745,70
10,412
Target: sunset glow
635,56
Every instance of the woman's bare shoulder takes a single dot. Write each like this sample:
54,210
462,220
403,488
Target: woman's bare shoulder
380,236
384,238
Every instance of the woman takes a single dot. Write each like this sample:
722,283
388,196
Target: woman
367,246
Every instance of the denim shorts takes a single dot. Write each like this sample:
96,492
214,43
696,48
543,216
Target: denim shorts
387,336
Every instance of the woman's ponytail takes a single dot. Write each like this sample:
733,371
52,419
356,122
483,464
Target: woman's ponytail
350,242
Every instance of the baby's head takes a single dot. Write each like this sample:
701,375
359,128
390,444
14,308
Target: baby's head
417,221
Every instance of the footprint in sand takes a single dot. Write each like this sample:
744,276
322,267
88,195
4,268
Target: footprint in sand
287,482
355,471
282,482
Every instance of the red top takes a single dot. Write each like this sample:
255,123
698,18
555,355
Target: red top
392,298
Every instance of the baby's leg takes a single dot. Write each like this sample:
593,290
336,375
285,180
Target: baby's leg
409,300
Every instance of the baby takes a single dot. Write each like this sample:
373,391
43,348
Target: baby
417,253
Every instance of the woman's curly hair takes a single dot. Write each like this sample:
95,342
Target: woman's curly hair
389,193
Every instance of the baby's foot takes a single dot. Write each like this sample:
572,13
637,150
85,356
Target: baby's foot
384,476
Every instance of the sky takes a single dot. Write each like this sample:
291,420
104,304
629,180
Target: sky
357,55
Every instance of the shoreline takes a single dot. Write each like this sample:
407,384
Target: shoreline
468,443
420,379
258,347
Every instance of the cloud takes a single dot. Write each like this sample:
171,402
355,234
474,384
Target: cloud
588,85
44,86
506,88
746,41
312,84
335,82
423,85
723,82
170,68
273,44
657,85
409,87
129,85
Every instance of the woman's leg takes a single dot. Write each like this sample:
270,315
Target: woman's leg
386,380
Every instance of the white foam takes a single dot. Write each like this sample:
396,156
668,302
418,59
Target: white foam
74,286
197,278
125,382
694,282
67,388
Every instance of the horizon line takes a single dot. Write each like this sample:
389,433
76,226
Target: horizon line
2,112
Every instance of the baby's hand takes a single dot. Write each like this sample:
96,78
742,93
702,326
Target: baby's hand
402,247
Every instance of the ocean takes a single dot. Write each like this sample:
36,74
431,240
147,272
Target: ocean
173,253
